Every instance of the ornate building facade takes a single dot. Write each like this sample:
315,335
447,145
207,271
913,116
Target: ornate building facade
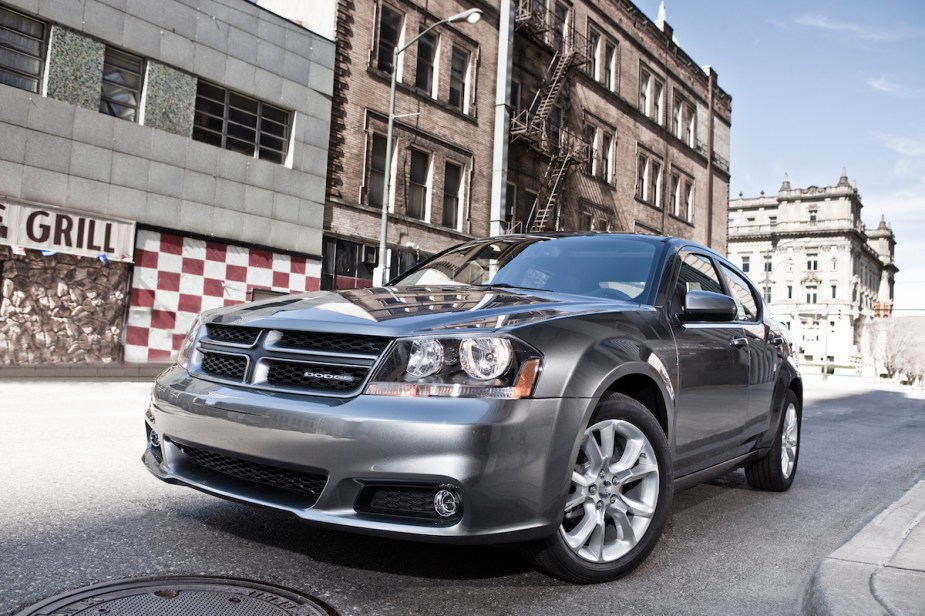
822,271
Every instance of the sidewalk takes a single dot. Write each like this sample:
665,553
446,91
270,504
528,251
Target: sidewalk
881,570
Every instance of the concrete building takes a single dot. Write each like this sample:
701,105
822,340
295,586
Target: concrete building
156,159
821,270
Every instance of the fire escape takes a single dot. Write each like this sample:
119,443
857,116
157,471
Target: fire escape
564,148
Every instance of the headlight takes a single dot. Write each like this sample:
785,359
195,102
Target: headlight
476,367
188,344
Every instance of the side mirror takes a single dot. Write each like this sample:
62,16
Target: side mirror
708,306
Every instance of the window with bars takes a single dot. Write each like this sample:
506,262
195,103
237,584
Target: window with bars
22,50
427,52
122,78
376,172
419,176
390,23
459,77
236,122
452,183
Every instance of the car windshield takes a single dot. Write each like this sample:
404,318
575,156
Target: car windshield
616,267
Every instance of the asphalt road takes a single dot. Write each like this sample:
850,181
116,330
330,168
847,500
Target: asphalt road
77,508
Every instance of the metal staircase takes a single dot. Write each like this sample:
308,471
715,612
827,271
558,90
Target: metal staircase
564,149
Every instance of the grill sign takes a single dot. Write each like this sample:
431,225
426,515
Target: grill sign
67,232
330,377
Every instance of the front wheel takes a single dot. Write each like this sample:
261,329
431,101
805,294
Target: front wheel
775,471
619,497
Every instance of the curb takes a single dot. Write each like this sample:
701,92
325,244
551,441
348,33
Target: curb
881,570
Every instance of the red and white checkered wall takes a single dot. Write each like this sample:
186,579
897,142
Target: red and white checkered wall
175,278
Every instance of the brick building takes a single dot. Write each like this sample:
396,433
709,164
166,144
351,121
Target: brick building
157,159
607,126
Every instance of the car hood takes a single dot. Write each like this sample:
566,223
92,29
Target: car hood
397,311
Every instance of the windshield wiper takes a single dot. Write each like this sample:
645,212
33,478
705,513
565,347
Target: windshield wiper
504,285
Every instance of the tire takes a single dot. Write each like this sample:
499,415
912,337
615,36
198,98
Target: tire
776,470
618,501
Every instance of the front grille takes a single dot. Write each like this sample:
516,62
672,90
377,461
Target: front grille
324,364
231,367
233,334
343,343
254,472
317,377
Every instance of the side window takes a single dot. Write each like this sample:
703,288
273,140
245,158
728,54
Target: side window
743,295
697,274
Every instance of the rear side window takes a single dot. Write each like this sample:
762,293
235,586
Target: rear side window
743,295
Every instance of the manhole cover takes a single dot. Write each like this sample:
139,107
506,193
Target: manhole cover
181,596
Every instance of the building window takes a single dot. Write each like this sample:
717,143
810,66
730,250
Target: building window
767,295
674,195
590,139
427,53
642,169
594,45
376,172
121,93
767,263
645,80
560,20
746,264
812,261
813,215
419,179
688,200
390,24
515,95
789,291
834,291
22,50
651,95
810,295
609,64
452,183
510,203
606,157
655,184
459,77
236,122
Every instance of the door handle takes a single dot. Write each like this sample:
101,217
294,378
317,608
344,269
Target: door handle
739,341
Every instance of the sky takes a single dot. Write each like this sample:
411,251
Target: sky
817,86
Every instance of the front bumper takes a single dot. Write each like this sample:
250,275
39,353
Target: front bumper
508,459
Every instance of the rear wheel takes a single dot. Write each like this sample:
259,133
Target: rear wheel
775,471
619,497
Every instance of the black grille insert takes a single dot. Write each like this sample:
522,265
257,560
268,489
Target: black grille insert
344,343
231,367
310,376
255,472
233,334
406,501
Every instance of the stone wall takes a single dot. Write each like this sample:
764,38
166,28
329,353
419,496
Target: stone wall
61,309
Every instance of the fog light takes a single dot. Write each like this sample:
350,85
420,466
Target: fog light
446,503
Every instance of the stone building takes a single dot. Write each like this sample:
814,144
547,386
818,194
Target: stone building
156,159
821,270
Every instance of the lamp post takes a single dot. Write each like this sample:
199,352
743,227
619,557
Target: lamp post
470,16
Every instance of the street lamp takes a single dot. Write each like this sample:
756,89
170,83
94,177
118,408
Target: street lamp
470,16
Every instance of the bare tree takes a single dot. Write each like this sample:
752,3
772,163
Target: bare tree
891,341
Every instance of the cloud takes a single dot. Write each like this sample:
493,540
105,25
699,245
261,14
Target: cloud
894,33
888,86
904,144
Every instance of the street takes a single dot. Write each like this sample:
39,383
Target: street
77,508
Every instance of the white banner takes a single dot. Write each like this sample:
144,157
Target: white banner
45,228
